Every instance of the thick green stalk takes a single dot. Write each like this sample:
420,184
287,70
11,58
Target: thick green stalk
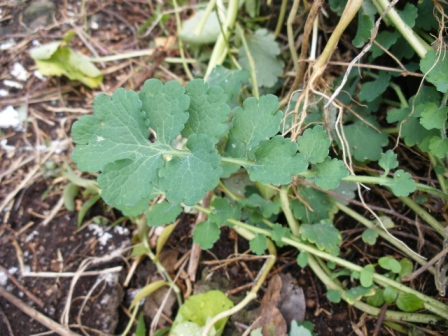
351,9
390,315
281,18
208,10
423,214
440,177
292,222
430,304
221,48
253,74
397,243
181,45
420,46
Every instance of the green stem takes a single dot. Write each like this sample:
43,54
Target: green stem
292,222
420,46
132,54
390,315
251,61
281,18
429,303
351,9
181,45
141,223
221,48
385,181
239,162
208,10
290,33
398,244
423,214
440,177
249,297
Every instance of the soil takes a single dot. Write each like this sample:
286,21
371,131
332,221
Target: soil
76,275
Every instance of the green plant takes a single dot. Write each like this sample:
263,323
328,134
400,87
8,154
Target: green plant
167,146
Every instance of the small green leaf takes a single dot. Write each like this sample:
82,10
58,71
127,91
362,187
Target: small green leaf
334,296
252,7
402,183
208,110
369,236
198,309
223,211
206,234
365,26
432,116
302,259
312,205
314,143
257,332
266,207
278,232
366,277
258,244
276,162
385,39
141,329
323,234
376,300
329,173
163,213
264,50
365,142
406,267
390,294
409,302
438,147
68,195
409,14
436,74
57,59
230,80
426,18
356,293
372,90
165,106
388,161
300,330
188,178
390,264
256,121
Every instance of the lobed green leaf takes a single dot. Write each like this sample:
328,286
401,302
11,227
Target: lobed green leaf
323,234
388,161
258,244
163,213
206,234
329,173
264,51
314,143
256,121
208,110
276,162
187,178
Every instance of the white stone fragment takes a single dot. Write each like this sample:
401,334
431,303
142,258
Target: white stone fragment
19,72
9,117
12,84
